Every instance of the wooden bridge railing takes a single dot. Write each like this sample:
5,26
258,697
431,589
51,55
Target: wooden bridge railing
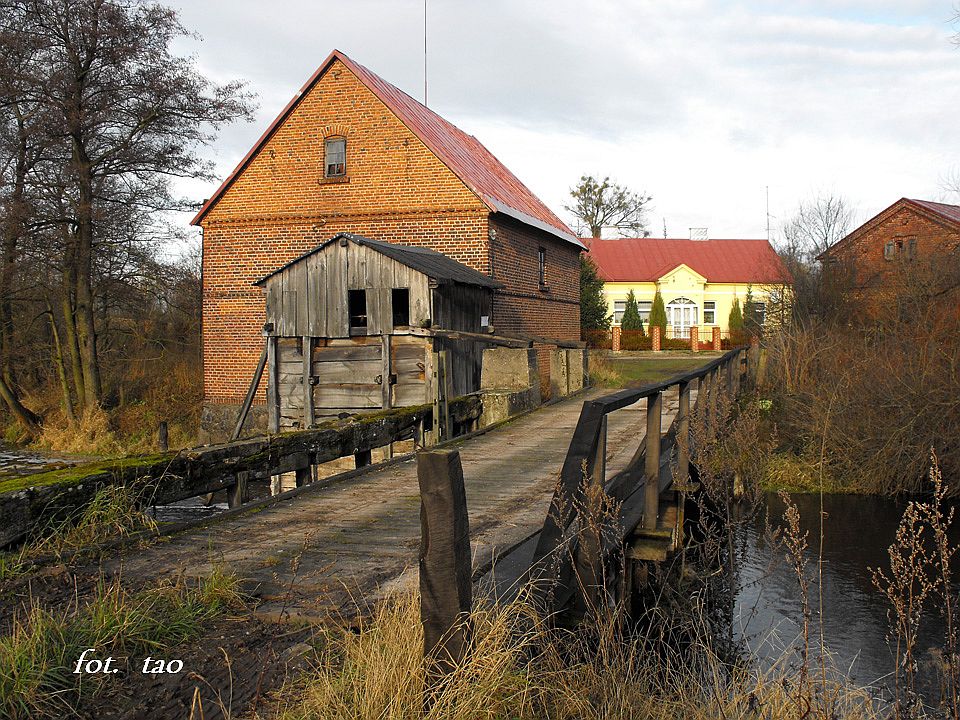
571,547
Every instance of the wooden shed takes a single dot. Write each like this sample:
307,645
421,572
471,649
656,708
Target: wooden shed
357,324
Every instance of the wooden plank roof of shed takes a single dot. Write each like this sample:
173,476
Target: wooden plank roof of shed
436,266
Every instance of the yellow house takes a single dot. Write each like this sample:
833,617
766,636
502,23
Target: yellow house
698,279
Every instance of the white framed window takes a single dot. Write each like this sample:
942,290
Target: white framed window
644,306
709,312
619,308
335,157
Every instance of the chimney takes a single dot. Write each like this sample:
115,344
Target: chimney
699,234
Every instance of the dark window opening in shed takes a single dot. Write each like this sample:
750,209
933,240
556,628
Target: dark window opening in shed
401,307
357,307
335,157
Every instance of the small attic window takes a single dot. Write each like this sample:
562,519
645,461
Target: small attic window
335,157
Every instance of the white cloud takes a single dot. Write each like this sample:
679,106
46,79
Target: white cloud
702,104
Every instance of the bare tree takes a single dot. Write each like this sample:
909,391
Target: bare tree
818,224
123,115
605,204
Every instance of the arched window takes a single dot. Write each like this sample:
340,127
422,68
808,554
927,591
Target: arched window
681,316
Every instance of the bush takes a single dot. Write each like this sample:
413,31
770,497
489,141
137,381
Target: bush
869,403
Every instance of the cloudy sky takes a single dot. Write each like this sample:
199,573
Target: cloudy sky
702,104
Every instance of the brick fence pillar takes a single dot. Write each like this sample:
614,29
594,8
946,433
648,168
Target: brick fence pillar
695,338
716,338
655,338
615,333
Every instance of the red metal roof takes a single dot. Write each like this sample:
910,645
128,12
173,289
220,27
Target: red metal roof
649,259
948,212
467,158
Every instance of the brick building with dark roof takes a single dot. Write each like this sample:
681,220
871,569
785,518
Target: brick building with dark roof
353,153
910,242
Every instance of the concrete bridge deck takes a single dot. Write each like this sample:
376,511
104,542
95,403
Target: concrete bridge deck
327,550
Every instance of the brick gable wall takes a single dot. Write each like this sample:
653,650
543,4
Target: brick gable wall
281,206
875,278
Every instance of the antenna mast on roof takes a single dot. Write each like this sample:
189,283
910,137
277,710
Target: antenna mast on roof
768,208
424,52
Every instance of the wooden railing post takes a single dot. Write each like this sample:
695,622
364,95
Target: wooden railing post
652,465
163,436
587,559
445,580
712,405
683,435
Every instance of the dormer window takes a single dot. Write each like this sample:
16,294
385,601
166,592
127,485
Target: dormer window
335,157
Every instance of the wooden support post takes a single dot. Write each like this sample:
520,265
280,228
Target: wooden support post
588,560
436,389
273,386
445,582
652,467
362,458
385,369
446,365
307,346
163,437
251,391
683,436
303,469
237,493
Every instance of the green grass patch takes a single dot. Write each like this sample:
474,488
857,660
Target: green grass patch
628,371
39,655
795,474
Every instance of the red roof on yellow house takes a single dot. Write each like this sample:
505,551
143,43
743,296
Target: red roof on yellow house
649,259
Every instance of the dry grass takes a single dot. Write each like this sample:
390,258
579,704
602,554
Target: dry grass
519,668
129,427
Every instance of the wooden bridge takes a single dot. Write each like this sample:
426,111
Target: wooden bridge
327,546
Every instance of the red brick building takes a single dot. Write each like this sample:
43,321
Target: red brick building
353,153
911,248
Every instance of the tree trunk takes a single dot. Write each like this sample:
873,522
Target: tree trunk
70,329
61,367
28,419
83,284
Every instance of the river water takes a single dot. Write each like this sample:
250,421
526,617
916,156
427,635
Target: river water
856,534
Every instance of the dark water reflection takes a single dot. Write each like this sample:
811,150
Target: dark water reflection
856,534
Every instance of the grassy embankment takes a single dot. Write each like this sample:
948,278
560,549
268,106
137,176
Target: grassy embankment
126,424
635,370
39,654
